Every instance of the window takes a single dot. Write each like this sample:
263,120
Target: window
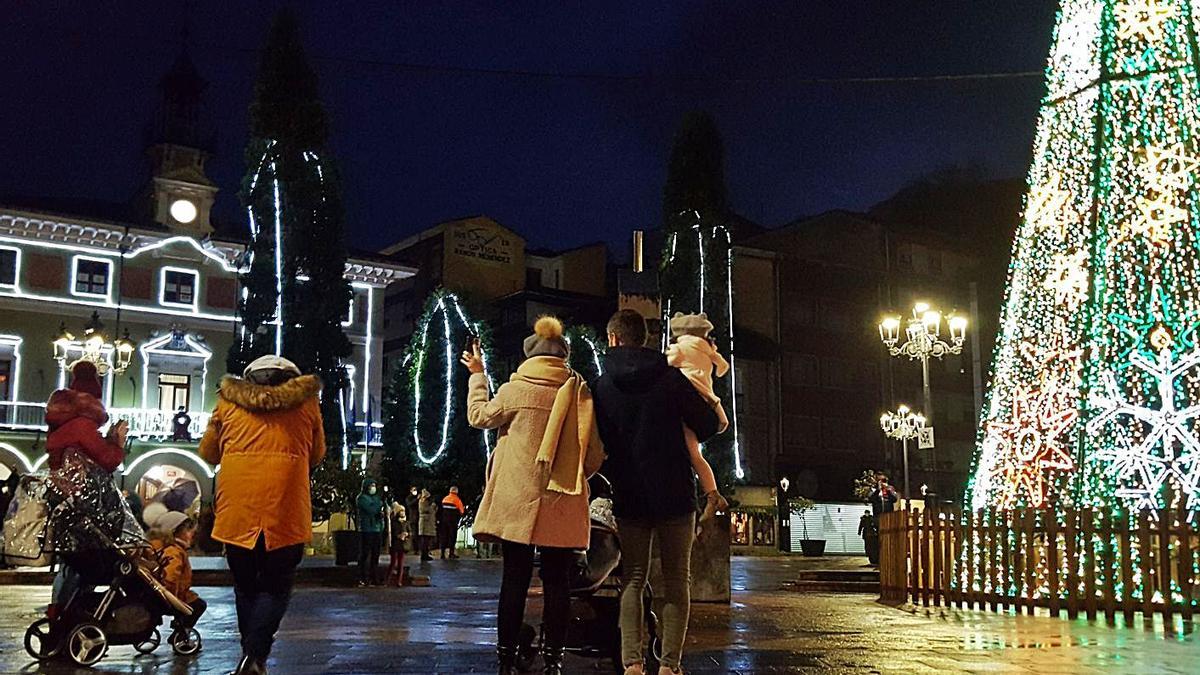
6,369
173,391
904,256
179,287
533,277
91,276
348,315
802,370
8,266
935,263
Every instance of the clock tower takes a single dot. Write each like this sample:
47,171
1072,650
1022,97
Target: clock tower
180,194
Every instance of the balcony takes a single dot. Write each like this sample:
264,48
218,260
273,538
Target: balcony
145,424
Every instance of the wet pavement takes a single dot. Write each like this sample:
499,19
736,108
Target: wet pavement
449,628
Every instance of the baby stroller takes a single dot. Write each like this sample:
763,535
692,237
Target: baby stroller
596,585
118,599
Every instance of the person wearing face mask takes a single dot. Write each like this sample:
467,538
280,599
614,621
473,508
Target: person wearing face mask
411,506
370,530
427,511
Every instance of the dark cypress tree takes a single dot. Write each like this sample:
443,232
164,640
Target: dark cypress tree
695,268
297,254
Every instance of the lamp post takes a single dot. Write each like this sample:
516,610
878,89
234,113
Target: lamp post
93,346
785,516
923,341
903,425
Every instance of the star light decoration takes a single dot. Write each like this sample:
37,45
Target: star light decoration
1142,18
1161,447
1048,205
1028,445
1068,278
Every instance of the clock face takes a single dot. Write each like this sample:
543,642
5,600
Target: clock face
183,210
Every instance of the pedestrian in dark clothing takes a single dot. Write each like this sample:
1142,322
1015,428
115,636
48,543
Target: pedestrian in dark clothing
452,510
642,405
883,498
412,510
370,532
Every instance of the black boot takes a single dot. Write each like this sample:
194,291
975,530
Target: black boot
552,660
508,660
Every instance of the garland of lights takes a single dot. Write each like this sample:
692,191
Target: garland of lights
447,306
720,234
1094,395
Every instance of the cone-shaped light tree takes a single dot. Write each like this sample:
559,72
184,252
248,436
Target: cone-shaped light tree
1095,389
295,294
695,275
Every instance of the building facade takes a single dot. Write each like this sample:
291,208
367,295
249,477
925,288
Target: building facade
150,291
499,279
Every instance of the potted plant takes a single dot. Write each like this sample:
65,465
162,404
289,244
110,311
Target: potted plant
813,548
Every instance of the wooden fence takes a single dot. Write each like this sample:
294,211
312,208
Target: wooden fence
1088,561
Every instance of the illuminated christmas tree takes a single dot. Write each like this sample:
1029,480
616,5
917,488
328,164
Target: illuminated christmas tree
1095,388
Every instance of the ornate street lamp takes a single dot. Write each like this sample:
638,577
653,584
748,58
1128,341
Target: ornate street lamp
923,340
903,425
94,345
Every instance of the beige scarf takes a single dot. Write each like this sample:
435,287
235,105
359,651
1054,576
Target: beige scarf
571,424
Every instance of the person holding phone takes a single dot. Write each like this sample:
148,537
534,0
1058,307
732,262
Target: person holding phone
536,496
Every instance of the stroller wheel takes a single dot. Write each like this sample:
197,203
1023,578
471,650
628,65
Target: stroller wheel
40,641
185,641
87,644
149,644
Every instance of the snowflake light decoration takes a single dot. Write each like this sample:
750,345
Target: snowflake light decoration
1162,446
1156,219
1167,168
1068,278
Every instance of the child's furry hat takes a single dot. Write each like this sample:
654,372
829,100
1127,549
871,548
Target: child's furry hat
690,324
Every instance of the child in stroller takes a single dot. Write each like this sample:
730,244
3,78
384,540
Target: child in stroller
594,630
116,597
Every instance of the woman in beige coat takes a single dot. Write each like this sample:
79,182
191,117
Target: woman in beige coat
536,493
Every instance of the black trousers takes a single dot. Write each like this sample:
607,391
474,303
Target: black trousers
514,587
198,606
368,556
262,589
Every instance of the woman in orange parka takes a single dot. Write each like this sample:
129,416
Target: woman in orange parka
267,435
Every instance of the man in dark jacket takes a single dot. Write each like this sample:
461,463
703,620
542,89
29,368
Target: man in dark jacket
411,508
641,406
370,529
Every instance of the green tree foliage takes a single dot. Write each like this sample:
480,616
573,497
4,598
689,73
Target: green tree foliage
441,333
694,274
587,351
294,203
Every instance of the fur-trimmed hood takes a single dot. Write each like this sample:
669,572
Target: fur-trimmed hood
266,398
67,404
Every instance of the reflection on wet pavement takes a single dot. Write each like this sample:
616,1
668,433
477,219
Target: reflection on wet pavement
449,628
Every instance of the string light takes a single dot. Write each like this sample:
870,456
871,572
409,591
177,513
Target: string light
1095,391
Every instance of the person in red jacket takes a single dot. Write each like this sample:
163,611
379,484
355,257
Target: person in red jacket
74,417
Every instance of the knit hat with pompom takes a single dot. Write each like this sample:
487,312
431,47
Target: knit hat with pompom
547,339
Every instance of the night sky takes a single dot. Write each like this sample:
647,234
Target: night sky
563,159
